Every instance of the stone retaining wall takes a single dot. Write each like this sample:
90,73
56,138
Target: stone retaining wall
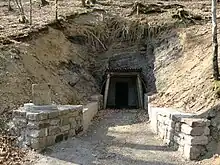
40,126
213,114
43,127
181,131
91,109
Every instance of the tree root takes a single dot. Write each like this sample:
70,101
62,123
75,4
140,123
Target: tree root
23,19
179,12
44,3
140,8
185,16
145,9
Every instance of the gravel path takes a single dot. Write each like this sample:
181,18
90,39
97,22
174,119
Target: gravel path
115,138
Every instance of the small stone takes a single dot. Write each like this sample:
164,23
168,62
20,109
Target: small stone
207,131
63,111
74,113
38,124
177,139
193,152
53,114
196,131
178,127
38,133
19,113
20,122
73,123
212,113
64,120
196,140
55,122
54,130
50,140
72,132
95,97
194,122
170,123
38,143
37,116
181,148
65,128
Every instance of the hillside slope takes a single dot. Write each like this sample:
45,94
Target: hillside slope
50,58
183,69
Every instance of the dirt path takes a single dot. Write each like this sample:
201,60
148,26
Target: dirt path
115,138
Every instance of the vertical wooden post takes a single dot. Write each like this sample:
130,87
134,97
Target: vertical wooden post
30,12
140,92
56,8
106,91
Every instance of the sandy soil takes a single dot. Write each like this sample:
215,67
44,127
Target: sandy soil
115,137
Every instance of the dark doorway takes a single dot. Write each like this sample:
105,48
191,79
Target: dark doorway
121,95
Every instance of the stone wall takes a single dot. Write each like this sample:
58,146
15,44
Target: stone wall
91,109
41,126
181,131
99,99
213,115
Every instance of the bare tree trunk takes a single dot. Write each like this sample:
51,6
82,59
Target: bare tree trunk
56,6
93,1
215,42
83,3
30,12
9,5
23,18
44,3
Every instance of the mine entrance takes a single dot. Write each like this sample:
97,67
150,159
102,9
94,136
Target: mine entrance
121,95
123,88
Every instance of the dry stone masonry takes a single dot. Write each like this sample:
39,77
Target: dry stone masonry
41,124
91,109
213,114
182,131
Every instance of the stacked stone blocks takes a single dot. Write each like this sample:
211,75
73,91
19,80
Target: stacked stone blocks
41,124
191,136
40,129
181,131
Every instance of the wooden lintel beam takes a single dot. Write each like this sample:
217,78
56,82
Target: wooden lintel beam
123,74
